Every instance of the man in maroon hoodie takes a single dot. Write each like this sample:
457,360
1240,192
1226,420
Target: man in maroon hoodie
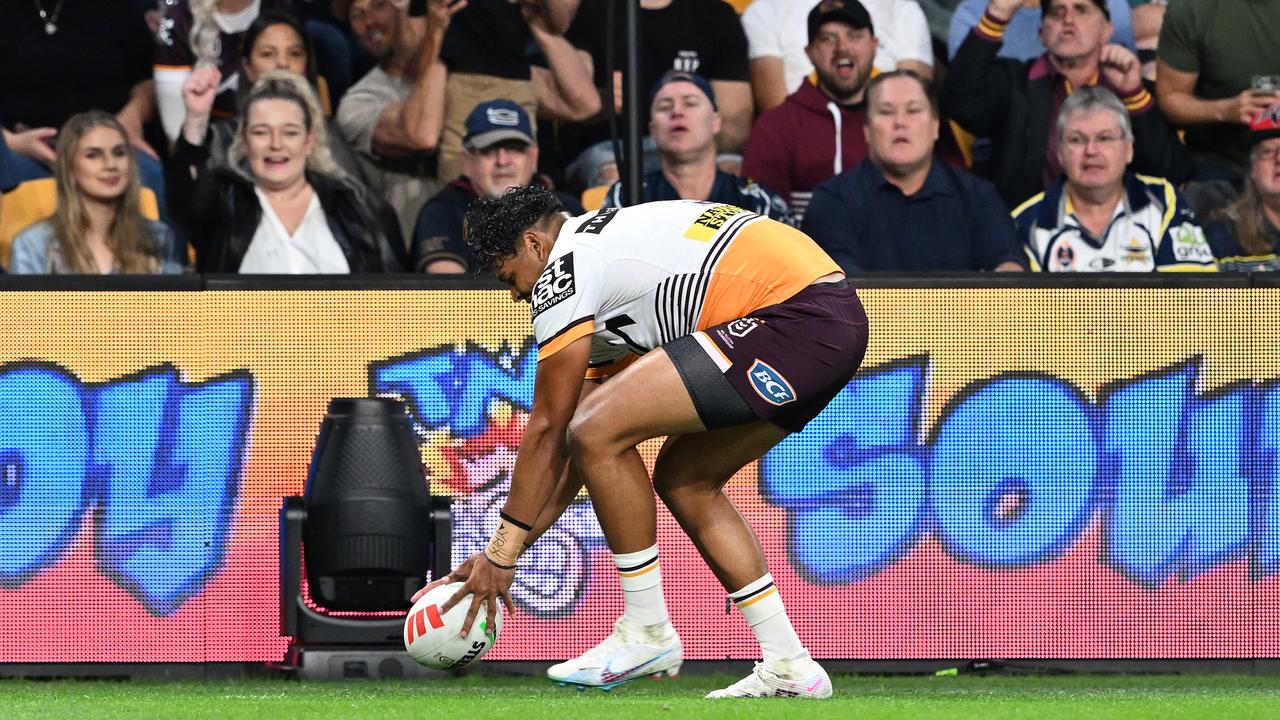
816,133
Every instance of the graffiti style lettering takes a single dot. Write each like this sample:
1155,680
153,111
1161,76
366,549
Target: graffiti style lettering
1011,471
1019,465
452,386
42,446
159,458
870,498
1182,501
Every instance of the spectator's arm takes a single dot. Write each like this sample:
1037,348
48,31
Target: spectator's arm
191,189
421,115
1175,90
768,72
979,84
32,144
768,82
375,126
734,101
827,222
564,89
137,112
555,15
997,247
915,42
778,207
963,19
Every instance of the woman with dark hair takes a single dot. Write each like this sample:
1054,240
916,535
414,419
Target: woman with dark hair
276,40
98,226
280,204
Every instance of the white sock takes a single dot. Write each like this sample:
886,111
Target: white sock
642,586
761,605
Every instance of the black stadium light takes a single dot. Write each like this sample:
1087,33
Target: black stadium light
361,539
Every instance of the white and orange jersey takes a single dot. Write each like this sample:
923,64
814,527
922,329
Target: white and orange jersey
638,277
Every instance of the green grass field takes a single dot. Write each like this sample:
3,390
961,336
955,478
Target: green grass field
1159,697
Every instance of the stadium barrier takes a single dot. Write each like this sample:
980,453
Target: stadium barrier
1026,467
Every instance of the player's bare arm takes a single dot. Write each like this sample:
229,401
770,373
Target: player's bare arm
540,462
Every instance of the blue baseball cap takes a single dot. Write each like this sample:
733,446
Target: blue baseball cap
671,76
497,120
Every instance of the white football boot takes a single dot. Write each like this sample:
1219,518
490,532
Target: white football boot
631,651
799,677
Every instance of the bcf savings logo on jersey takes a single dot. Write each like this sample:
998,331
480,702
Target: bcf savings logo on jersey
554,285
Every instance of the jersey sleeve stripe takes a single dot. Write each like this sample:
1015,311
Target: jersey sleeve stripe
579,328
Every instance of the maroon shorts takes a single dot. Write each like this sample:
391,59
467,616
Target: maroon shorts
781,363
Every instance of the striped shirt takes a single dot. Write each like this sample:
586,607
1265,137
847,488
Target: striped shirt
637,278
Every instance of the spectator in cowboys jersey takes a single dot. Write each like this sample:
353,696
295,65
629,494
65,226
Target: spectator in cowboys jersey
1104,217
683,121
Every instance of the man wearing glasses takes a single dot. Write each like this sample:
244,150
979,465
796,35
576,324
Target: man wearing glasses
1104,218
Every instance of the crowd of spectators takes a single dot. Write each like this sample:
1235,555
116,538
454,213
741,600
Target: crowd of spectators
351,136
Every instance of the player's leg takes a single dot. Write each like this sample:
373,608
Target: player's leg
689,477
603,436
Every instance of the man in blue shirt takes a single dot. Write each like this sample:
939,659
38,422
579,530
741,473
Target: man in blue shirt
683,122
900,209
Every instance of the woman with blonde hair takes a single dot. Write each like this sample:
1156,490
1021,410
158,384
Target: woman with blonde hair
280,204
98,225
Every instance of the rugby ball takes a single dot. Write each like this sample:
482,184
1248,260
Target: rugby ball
433,638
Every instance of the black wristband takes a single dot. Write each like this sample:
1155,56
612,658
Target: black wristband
515,522
497,564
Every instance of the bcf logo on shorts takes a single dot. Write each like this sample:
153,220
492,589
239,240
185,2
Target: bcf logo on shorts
769,384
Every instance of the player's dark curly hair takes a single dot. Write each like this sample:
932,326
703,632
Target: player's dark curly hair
493,226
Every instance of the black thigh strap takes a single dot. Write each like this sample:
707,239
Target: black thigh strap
718,403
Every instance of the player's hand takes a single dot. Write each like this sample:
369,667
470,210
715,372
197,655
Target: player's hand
481,579
1121,68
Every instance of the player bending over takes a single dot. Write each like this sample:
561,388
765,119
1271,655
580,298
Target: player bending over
721,329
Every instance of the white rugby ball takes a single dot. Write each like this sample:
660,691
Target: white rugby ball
433,638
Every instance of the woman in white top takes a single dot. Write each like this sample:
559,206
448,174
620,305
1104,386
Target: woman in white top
280,205
98,226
